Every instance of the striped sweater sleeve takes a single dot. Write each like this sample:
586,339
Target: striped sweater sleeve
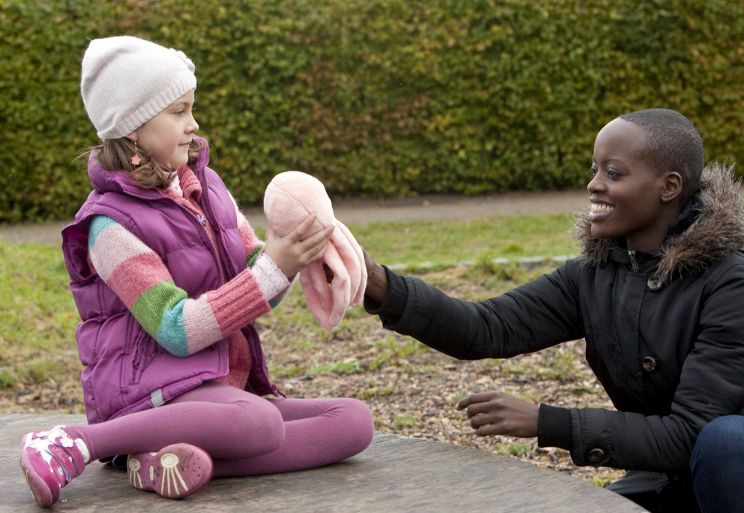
140,278
271,279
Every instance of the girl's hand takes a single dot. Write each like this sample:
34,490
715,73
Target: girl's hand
377,284
495,413
292,253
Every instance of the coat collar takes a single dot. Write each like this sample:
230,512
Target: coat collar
709,227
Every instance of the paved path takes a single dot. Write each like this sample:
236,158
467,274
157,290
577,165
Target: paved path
394,475
365,211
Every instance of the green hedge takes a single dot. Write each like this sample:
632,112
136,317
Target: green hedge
376,97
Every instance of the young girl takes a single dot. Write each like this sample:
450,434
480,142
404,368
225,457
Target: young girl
657,295
169,277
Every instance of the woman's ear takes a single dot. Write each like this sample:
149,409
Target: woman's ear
672,187
132,136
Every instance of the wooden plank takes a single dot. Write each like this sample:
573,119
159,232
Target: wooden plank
395,474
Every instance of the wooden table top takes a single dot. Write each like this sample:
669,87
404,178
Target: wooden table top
394,474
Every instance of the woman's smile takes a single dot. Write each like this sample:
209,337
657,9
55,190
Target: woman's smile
599,210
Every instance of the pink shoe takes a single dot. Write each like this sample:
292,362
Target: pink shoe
50,460
174,472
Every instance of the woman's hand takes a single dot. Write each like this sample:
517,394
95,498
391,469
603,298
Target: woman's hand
495,413
377,284
292,253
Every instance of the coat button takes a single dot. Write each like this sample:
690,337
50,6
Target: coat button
654,283
596,456
649,363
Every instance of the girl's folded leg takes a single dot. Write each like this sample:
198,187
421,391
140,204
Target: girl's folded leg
317,432
243,433
222,420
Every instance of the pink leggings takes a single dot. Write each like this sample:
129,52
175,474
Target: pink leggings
245,434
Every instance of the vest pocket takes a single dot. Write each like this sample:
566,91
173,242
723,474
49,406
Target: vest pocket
137,340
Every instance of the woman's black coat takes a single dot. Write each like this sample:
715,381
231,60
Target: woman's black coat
664,332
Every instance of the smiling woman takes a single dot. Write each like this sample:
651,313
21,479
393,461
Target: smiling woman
656,294
631,195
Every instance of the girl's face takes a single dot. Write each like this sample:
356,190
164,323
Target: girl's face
626,189
167,136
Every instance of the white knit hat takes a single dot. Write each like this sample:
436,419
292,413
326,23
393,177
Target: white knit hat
126,81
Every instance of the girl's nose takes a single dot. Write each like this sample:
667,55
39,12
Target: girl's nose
193,126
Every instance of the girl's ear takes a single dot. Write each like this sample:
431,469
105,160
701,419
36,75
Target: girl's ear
672,187
132,136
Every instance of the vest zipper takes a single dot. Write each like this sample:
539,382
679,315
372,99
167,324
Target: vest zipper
202,220
227,263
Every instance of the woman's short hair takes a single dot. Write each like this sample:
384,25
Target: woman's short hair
673,145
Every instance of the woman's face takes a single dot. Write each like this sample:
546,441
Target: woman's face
167,136
625,191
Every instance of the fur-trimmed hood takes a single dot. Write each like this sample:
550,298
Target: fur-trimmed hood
717,228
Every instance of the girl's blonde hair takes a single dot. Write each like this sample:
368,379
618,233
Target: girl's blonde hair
116,155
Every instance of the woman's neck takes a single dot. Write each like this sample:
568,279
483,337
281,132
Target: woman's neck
652,238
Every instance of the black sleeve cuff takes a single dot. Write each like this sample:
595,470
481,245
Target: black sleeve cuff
391,309
554,427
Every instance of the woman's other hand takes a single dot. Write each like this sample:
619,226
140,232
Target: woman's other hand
496,413
377,283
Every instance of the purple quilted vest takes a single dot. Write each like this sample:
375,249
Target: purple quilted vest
125,370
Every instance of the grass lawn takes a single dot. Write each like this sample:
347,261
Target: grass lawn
39,317
443,243
410,388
